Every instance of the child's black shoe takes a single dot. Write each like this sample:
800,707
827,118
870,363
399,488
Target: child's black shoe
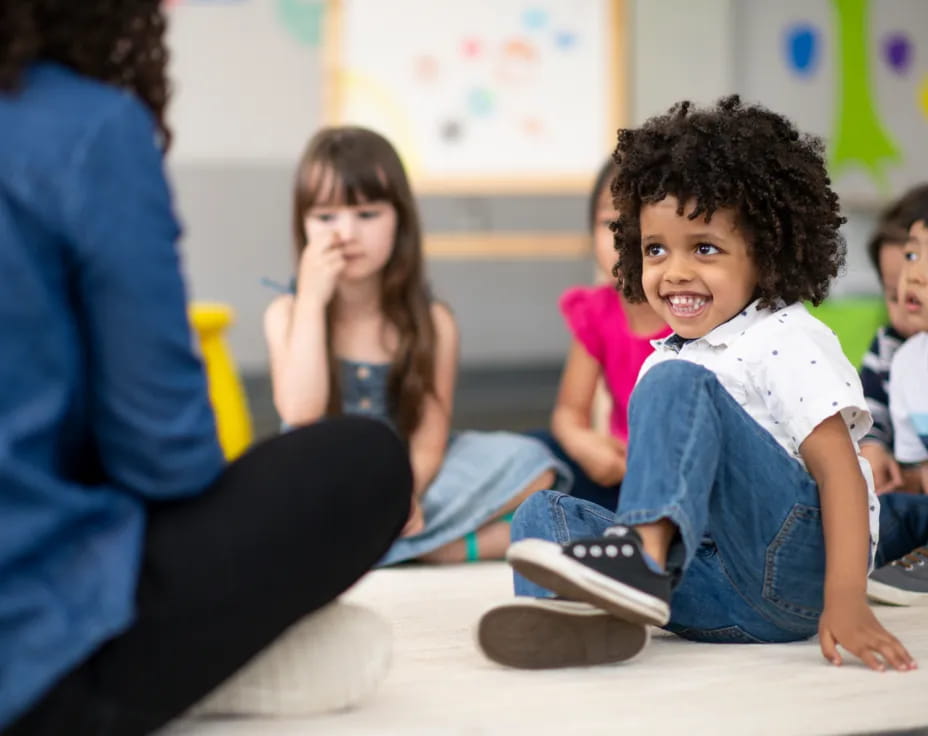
608,572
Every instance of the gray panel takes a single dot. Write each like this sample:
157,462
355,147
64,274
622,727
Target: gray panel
507,310
237,231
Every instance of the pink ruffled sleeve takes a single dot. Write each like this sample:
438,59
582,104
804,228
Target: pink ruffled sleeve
578,305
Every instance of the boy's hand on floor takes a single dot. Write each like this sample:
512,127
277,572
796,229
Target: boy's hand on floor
847,620
887,475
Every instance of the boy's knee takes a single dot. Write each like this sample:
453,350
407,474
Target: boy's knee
676,371
673,379
533,517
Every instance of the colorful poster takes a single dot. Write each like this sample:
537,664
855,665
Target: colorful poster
852,71
488,89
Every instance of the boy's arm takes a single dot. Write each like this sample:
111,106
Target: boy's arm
846,618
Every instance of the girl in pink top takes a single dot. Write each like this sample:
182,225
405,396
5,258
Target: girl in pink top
611,339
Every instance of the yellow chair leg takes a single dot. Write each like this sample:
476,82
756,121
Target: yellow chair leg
227,395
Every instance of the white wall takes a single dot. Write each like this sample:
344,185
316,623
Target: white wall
687,49
680,49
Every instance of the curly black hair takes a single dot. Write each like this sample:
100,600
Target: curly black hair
746,158
120,42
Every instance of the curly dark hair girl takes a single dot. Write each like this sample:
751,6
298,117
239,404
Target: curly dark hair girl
750,160
120,42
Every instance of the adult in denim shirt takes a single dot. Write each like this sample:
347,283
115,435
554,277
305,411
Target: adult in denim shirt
136,573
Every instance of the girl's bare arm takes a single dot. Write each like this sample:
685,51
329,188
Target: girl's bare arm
295,331
428,442
601,456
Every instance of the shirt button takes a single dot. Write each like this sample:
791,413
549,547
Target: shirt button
363,372
365,403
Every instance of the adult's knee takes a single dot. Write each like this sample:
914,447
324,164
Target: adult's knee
376,463
344,465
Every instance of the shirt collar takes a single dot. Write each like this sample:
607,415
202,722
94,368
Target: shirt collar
723,335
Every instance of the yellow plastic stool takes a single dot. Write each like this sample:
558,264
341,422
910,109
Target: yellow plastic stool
233,420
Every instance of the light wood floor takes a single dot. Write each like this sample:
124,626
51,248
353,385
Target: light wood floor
441,684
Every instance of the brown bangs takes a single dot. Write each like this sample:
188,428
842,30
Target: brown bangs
337,183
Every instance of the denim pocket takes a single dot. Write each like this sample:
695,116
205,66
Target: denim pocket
794,570
724,635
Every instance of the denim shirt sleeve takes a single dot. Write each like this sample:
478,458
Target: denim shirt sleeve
151,417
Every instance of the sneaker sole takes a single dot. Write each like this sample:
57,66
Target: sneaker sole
546,565
536,635
893,596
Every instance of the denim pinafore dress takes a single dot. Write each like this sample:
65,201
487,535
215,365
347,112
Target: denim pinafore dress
481,471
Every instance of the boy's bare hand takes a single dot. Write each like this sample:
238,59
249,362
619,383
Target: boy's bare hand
847,620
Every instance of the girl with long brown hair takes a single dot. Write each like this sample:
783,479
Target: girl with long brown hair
362,335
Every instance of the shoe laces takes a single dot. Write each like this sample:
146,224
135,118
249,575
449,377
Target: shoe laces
915,558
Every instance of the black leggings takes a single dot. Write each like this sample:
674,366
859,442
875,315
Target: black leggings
283,531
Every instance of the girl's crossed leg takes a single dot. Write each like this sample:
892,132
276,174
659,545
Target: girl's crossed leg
491,540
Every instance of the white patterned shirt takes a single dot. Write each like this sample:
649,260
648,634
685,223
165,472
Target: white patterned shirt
787,371
908,399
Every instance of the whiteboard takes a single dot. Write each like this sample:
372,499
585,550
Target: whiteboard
852,71
483,94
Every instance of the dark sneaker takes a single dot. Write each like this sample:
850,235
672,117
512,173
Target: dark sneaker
903,582
608,572
540,633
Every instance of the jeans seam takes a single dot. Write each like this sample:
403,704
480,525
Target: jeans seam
607,517
770,573
560,520
736,627
750,604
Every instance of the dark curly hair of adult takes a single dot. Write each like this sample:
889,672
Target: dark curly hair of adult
750,160
120,42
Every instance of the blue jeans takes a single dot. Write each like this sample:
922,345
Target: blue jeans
750,550
903,525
